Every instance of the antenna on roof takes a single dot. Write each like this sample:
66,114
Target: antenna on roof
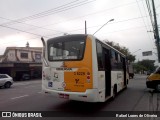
85,27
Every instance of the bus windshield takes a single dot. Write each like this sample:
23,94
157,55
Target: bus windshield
60,50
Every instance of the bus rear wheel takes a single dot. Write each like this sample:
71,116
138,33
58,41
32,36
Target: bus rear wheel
114,91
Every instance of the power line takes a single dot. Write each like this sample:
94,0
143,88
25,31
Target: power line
126,29
144,23
59,33
30,25
74,30
38,13
127,4
136,18
42,27
150,13
20,30
156,32
52,11
146,26
47,36
18,40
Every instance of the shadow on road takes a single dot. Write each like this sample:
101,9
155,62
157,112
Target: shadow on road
77,108
154,91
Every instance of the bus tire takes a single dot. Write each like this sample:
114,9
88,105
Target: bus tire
114,91
158,87
127,81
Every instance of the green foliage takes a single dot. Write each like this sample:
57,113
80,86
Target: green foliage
122,49
144,65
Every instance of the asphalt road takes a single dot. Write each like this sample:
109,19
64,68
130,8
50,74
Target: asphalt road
27,96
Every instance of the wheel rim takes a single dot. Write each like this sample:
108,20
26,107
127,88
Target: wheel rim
7,85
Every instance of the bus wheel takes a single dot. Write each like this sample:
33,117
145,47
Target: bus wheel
158,87
114,91
127,81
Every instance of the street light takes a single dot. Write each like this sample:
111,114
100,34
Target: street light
104,25
136,51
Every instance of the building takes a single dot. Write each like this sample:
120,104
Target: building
17,61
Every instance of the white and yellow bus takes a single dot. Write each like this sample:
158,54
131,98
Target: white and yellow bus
83,68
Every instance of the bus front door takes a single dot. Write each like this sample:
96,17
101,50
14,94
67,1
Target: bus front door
107,67
124,70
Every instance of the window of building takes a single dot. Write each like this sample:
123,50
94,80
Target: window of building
38,57
24,55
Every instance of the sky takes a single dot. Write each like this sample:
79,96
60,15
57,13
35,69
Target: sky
23,21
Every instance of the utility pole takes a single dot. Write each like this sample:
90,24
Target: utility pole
156,32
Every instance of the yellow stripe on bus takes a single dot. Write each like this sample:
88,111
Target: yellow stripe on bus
77,81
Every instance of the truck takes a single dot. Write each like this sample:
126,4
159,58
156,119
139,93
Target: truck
130,71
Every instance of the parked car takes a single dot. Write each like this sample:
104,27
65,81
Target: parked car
26,77
36,75
5,81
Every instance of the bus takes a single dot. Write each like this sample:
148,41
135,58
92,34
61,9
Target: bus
80,67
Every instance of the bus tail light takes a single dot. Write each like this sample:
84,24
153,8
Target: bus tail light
61,95
88,77
66,96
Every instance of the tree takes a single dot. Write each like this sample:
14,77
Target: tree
145,65
122,49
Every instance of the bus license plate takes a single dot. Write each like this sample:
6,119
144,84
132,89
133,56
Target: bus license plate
50,84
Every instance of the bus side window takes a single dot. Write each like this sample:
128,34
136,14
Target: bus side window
113,60
120,65
99,56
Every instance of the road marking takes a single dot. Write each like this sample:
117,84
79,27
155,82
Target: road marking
40,92
19,97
